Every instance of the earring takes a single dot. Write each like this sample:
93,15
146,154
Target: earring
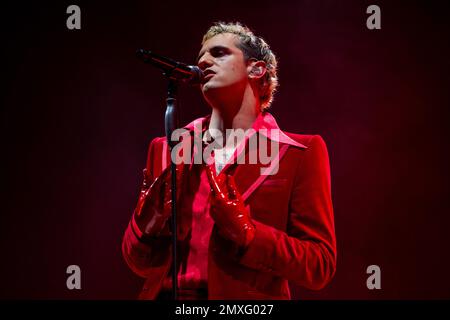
256,71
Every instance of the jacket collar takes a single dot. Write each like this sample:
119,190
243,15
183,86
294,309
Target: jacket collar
264,124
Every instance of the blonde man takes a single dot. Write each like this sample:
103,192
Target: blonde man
245,229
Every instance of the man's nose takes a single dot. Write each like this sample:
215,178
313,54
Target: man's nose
205,62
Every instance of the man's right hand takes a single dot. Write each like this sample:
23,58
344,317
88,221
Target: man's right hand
155,203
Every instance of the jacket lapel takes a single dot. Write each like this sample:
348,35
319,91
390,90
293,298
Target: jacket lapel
249,176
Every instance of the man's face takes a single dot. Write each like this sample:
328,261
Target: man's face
223,64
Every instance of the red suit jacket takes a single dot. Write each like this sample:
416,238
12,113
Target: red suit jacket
292,210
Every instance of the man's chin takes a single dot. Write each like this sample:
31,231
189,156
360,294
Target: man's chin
211,90
212,93
208,86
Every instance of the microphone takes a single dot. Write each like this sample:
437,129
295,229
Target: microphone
172,69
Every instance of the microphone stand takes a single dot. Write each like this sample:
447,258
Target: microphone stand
174,71
171,123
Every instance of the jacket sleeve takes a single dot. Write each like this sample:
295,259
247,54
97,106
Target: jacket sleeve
306,253
145,257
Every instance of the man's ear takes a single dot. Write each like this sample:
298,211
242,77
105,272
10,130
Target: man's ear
256,69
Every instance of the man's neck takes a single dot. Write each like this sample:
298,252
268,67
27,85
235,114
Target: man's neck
225,118
243,119
235,111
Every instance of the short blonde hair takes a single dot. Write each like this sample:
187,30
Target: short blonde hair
253,47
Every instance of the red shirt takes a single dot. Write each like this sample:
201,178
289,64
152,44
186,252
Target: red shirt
194,273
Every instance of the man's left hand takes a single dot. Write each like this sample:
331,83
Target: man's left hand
228,209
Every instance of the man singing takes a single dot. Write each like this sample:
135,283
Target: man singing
245,228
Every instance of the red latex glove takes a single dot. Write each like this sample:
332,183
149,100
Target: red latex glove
154,206
228,209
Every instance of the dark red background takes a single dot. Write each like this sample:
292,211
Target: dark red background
78,111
